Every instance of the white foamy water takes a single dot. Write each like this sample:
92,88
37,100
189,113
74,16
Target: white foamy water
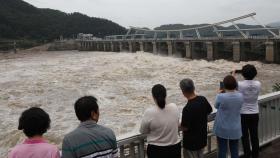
121,81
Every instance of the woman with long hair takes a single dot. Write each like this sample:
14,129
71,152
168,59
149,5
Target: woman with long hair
161,123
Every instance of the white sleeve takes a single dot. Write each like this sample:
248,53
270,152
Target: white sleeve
238,85
145,124
178,114
260,85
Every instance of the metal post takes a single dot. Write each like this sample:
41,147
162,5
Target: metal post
141,149
168,34
238,29
217,31
131,150
155,35
197,33
181,35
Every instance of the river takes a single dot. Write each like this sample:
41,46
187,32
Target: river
120,81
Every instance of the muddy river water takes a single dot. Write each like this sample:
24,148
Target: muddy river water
120,81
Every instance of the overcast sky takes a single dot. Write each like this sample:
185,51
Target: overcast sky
152,13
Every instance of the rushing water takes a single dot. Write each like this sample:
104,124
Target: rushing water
121,81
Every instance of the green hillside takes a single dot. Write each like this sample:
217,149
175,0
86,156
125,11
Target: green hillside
20,20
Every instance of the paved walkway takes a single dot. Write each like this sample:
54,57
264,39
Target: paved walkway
271,151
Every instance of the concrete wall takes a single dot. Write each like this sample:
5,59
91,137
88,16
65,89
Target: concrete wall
236,50
64,45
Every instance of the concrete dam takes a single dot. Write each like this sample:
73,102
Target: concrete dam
245,47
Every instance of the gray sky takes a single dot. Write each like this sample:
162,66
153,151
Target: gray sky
152,13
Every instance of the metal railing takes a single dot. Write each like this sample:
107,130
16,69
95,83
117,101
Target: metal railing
269,130
262,38
269,124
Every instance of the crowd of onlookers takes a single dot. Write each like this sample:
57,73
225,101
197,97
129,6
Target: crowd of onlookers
237,117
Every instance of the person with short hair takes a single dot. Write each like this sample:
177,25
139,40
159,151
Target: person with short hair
194,121
250,89
227,125
89,139
34,122
161,123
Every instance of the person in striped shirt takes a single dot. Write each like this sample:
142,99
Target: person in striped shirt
89,140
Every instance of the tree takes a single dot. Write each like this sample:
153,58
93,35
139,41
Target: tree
20,20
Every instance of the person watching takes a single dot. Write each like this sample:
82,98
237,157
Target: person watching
161,123
194,121
34,122
250,89
227,125
89,139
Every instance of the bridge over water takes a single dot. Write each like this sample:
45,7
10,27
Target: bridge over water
234,43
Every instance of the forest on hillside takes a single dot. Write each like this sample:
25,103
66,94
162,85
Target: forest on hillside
20,20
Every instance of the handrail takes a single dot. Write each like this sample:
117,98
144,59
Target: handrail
268,97
251,29
269,129
203,26
251,37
